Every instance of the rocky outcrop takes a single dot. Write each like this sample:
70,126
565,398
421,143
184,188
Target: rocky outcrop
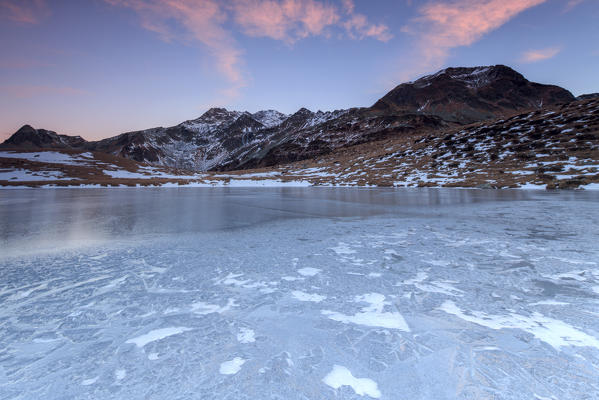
28,137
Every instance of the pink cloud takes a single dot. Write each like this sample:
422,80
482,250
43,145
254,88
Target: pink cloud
348,6
291,20
198,20
444,25
287,20
23,11
29,91
540,55
357,27
572,4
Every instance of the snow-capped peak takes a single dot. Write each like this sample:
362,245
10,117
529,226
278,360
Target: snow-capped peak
475,77
269,118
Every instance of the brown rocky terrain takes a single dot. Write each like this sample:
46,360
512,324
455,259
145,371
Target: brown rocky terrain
554,148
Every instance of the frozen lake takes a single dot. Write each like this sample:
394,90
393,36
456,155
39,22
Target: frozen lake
299,294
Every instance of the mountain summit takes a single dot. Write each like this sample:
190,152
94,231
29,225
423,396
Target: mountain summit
28,137
467,95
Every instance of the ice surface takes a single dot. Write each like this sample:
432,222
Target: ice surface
412,294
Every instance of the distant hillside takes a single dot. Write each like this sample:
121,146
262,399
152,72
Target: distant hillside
588,96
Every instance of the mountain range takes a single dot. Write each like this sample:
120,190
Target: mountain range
222,140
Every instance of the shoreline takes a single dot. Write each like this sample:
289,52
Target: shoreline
278,184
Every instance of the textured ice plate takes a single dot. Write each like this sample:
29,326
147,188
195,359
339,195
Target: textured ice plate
299,294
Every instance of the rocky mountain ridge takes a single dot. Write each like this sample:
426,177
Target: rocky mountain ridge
232,140
588,96
551,148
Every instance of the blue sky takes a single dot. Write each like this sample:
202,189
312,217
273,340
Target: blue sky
97,68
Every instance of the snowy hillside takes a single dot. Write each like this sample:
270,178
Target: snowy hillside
219,139
550,149
556,148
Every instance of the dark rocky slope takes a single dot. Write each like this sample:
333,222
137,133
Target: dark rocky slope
467,95
29,138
